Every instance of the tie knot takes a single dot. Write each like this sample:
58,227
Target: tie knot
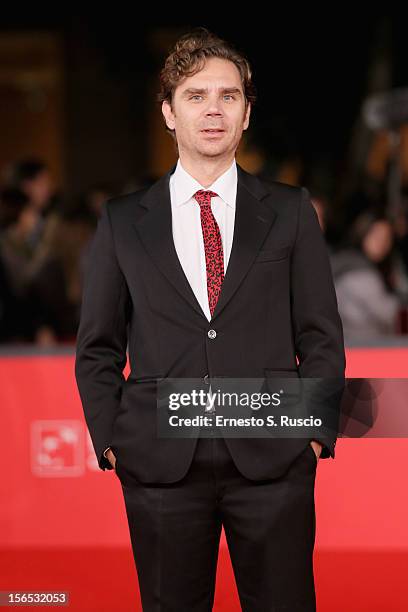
203,197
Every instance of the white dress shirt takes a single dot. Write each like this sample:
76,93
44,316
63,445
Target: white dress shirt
187,230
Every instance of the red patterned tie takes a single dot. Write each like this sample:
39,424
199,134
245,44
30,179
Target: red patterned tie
214,255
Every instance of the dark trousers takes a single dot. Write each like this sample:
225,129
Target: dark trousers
269,525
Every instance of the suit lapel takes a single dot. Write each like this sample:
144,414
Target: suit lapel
253,220
155,232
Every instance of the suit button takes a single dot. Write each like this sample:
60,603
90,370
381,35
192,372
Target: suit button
212,334
206,379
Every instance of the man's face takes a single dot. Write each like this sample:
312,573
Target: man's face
208,111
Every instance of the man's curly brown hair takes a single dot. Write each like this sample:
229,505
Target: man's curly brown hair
189,56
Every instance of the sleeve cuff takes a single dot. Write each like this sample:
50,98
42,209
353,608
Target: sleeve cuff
328,447
104,462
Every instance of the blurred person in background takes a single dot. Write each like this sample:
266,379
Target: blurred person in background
20,262
44,277
21,258
27,230
32,177
68,234
362,272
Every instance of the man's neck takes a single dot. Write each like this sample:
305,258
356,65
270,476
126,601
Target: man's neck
206,172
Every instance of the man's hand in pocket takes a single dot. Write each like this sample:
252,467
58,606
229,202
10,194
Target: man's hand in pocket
317,447
111,458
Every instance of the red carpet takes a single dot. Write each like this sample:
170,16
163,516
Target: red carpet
102,580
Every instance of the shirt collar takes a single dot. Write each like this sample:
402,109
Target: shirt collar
185,185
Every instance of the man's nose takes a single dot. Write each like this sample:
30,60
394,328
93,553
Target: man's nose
214,107
213,111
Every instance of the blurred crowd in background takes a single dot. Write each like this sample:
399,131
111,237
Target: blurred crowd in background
43,248
45,241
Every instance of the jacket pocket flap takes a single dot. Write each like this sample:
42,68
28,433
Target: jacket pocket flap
273,254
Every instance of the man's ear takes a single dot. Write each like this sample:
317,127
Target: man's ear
247,115
168,115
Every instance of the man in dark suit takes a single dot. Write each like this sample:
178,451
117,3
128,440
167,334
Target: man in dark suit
209,273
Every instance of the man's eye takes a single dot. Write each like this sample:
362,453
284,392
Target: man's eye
196,96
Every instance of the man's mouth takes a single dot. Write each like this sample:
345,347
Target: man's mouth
213,131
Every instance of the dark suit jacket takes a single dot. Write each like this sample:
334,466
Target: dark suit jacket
277,306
